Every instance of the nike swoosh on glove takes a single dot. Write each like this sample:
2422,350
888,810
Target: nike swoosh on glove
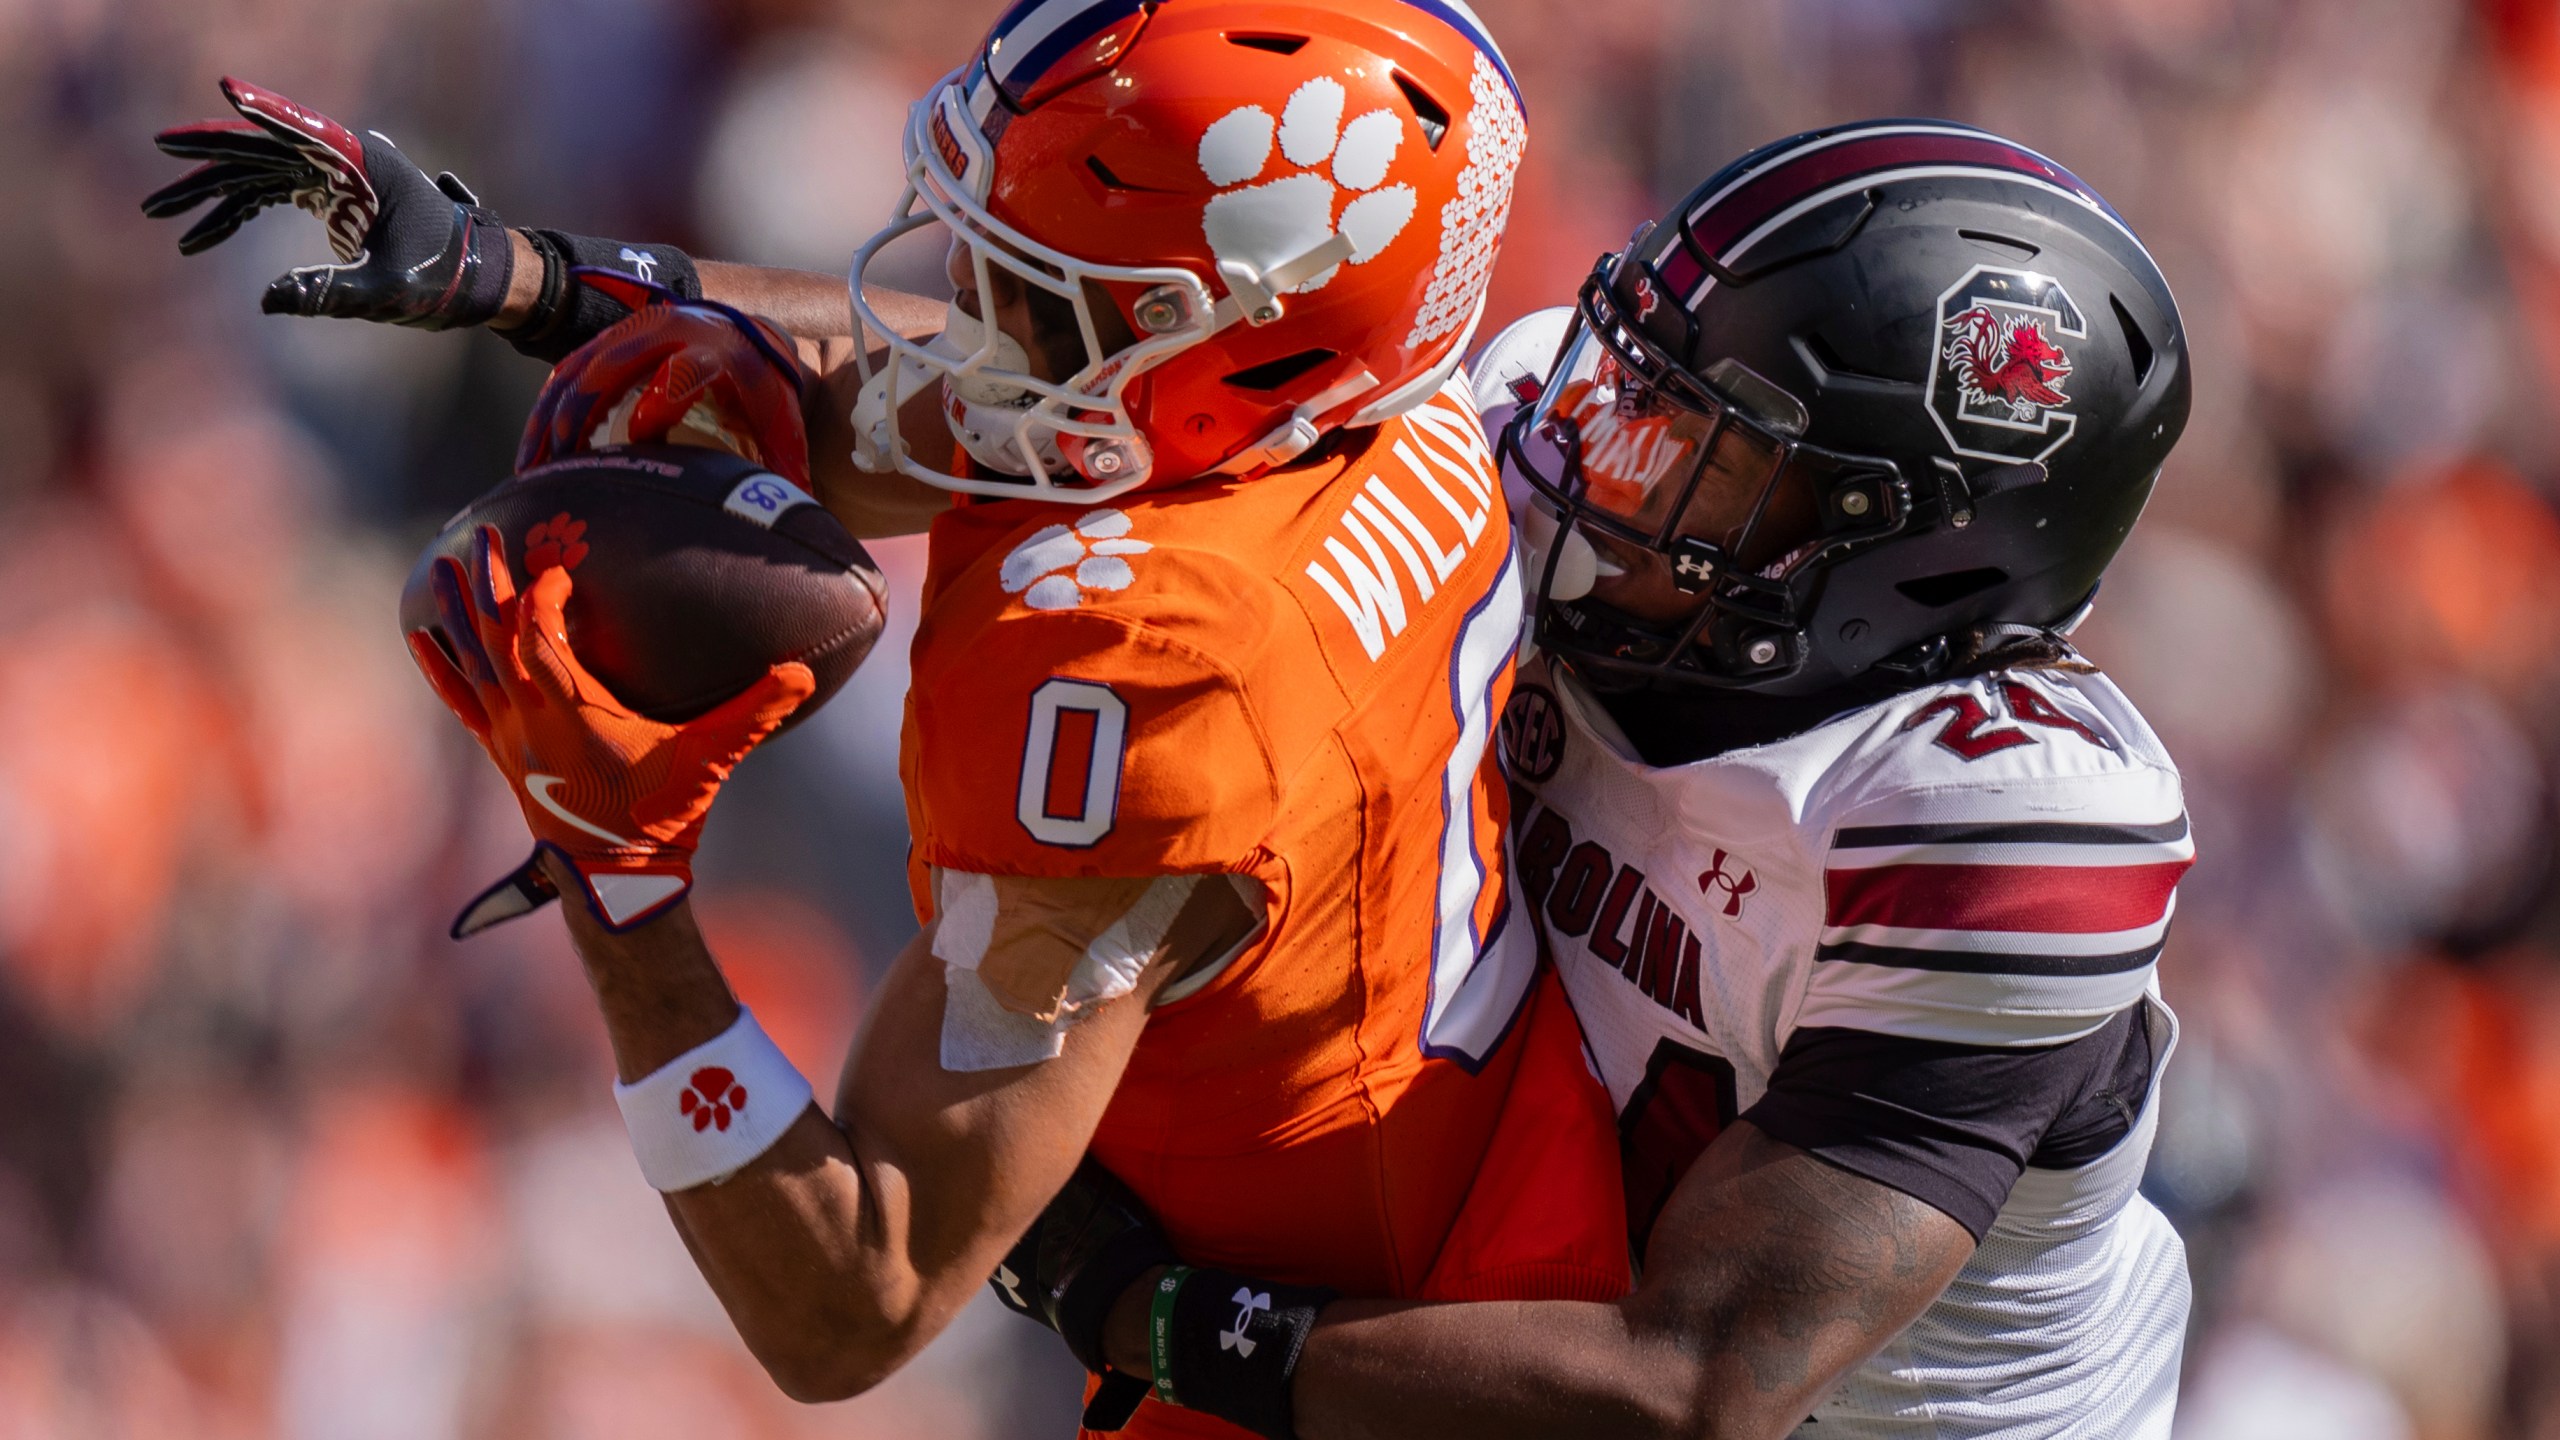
412,251
618,795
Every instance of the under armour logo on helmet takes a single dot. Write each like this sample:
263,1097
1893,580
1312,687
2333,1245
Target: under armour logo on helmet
1714,878
1690,566
1247,1301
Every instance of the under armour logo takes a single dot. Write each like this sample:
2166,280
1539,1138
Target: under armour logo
641,263
1011,1285
1734,887
1647,301
1691,569
1247,1301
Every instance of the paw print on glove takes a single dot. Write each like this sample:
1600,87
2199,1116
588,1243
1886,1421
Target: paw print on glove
712,1097
1053,569
558,541
1267,224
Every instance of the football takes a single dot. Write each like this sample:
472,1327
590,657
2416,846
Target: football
695,572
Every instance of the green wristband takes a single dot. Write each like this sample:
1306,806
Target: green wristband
1160,1330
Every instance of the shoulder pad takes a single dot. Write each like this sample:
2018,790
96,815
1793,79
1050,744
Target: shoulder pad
1526,349
2001,865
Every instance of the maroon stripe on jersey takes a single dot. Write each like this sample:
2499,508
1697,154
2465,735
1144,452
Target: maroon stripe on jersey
2015,899
1714,229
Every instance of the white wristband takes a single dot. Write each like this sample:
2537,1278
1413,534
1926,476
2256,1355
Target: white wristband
712,1110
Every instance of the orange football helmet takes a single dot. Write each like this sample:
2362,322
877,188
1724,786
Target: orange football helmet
1243,223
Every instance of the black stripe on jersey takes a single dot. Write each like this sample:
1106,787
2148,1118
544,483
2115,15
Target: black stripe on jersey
1983,962
1875,837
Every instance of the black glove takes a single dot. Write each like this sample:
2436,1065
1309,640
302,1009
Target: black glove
415,251
1227,1345
1092,1243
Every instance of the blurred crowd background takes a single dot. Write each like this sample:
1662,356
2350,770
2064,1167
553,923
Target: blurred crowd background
277,1159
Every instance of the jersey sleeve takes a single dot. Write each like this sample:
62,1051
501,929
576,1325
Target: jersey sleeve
2012,909
1081,744
1954,1126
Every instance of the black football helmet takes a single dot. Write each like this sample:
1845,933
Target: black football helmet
1866,392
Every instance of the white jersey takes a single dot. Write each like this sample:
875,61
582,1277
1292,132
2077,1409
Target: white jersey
1986,861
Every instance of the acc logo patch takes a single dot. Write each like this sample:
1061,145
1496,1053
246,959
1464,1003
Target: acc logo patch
1532,734
1999,385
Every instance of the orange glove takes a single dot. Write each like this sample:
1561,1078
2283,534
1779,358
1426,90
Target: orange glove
673,363
618,795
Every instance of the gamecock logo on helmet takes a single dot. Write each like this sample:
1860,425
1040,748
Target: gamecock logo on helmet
2007,362
1997,386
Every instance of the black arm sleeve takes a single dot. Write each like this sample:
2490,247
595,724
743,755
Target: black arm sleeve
1955,1125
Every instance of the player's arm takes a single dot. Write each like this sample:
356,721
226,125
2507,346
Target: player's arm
1771,1275
839,1245
846,1246
425,253
1795,1245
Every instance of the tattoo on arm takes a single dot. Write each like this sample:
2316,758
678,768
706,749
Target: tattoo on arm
1826,1251
1782,1273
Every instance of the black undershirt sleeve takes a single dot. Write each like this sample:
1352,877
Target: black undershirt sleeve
1955,1126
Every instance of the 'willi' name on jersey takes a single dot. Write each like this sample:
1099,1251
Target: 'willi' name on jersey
1441,497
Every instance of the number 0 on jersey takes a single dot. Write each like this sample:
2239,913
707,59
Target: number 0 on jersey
1071,762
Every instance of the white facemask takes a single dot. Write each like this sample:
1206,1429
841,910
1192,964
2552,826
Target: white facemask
984,412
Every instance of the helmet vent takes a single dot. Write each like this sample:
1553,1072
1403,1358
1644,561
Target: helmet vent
1826,364
2018,250
1113,182
1276,44
2135,341
1935,591
1433,115
1272,374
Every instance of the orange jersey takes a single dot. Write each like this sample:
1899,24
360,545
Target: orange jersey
1290,678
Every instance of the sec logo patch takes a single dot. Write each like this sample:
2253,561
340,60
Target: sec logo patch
1532,734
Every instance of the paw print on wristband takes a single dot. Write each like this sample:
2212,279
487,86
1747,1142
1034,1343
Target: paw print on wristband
1268,223
712,1097
558,541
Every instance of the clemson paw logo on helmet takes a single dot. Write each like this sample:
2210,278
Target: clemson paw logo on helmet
1054,568
1276,213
